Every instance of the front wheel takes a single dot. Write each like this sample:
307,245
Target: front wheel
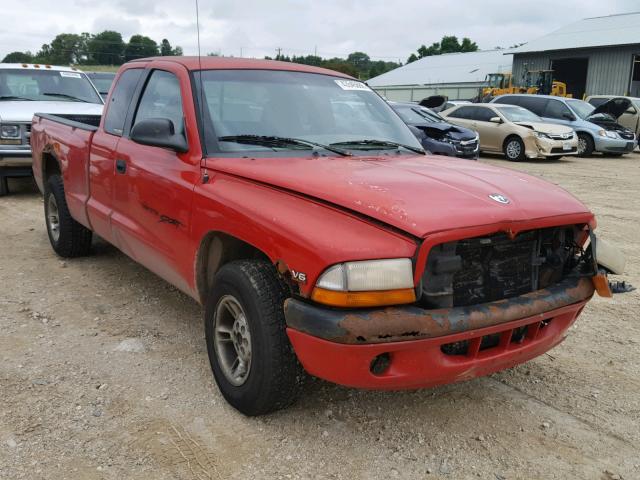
252,360
514,149
585,145
68,237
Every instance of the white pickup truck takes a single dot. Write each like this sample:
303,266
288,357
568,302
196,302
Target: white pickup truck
28,89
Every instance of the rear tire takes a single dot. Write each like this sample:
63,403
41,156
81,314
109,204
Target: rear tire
68,238
252,360
513,149
4,186
585,145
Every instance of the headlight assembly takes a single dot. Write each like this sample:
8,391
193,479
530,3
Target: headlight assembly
541,135
366,283
10,131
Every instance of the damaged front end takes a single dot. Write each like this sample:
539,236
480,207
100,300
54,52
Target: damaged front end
484,303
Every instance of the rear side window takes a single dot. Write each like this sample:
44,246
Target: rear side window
508,100
556,109
162,99
533,104
120,101
463,112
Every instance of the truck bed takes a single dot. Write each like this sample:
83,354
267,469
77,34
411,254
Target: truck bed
86,122
66,139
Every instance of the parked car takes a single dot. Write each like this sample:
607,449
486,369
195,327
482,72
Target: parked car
437,135
310,239
514,131
630,117
102,81
27,89
597,131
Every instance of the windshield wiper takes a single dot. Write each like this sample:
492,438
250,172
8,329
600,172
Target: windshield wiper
64,95
381,143
271,140
13,97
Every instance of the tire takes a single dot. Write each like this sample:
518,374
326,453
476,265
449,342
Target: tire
271,377
4,186
585,145
513,149
68,238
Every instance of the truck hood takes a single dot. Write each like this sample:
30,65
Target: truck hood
417,194
22,111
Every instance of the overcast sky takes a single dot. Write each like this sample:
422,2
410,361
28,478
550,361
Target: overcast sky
384,29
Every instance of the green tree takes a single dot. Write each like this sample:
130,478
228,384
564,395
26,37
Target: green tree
64,49
167,51
18,57
448,44
140,46
106,48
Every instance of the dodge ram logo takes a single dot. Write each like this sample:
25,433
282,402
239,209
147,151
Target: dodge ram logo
496,197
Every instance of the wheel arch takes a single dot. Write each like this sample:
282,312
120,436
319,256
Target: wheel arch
509,137
49,165
218,248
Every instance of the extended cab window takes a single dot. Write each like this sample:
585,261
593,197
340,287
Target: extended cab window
120,101
162,99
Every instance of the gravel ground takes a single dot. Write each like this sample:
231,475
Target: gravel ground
105,375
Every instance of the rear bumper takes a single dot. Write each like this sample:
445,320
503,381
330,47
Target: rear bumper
341,346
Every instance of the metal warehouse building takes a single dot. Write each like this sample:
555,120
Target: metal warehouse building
595,56
456,75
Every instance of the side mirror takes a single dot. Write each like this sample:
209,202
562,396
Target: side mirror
159,132
568,116
630,111
495,120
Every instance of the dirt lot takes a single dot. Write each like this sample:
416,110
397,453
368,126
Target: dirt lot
105,375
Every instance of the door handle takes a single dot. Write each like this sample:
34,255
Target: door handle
121,166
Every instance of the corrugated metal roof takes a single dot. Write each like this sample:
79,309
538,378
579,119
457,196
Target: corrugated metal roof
622,29
448,68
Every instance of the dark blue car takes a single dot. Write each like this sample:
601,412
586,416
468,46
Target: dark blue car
437,135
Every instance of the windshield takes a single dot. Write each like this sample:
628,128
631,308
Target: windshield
240,106
518,114
417,114
581,108
46,85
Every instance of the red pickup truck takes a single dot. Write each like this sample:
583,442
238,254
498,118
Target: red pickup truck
298,208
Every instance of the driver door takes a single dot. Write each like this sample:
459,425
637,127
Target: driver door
154,186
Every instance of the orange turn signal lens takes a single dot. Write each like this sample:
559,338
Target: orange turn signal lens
363,299
601,284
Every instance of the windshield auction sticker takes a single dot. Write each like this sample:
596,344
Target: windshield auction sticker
352,85
70,74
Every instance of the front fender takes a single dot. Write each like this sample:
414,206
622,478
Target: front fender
292,230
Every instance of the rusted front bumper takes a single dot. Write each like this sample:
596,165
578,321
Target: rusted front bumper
411,323
340,345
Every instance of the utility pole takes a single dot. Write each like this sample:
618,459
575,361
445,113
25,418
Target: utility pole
279,50
315,51
240,52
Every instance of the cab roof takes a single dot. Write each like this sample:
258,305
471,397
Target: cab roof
36,66
230,63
